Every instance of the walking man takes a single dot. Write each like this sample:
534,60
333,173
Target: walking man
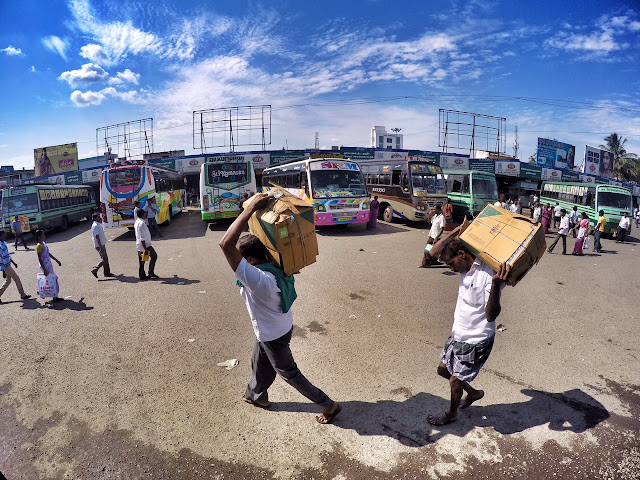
562,232
16,226
623,226
152,212
7,270
556,215
143,245
573,220
471,340
100,244
437,226
268,294
598,231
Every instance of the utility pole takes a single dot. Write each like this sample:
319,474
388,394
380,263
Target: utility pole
317,141
516,145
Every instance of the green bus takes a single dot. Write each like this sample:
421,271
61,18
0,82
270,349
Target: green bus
615,201
47,206
470,190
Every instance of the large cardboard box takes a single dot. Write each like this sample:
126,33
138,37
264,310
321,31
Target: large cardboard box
286,226
498,236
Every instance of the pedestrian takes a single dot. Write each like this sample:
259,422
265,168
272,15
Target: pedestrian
556,215
536,199
546,218
519,212
503,204
16,226
473,332
583,234
498,204
152,212
437,226
574,218
8,272
268,294
144,248
447,211
563,230
513,207
536,213
136,206
623,226
598,231
44,258
374,206
100,244
636,214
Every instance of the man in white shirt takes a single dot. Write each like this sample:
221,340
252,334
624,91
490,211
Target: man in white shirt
498,204
437,226
573,220
536,213
143,245
556,215
562,232
152,212
623,226
513,208
472,335
268,294
100,244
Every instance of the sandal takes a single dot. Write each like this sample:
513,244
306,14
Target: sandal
325,418
256,403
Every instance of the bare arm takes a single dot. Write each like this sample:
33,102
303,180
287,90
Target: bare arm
493,308
232,235
58,261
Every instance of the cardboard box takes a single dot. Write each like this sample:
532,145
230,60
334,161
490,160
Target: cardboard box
286,226
498,236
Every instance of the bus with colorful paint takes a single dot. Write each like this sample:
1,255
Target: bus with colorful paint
121,185
613,200
224,181
470,190
407,188
334,186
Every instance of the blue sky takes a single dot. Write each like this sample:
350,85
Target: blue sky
567,70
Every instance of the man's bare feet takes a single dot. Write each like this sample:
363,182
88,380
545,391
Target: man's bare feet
442,420
469,399
328,415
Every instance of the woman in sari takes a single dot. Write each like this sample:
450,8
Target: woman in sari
546,218
373,213
583,231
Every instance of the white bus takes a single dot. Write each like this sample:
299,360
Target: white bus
224,181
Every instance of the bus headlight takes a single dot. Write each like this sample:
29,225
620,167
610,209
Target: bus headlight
320,207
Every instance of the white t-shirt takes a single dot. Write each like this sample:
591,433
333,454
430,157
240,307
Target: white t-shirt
564,225
142,233
573,216
498,204
437,225
536,213
97,230
625,223
470,319
261,294
557,210
513,208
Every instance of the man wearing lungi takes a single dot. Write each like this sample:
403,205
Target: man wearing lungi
471,340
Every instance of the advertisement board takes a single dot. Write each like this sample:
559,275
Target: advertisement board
276,158
55,159
570,176
356,154
551,174
555,154
189,165
389,155
91,176
4,169
587,179
482,165
454,162
73,178
597,162
509,168
528,170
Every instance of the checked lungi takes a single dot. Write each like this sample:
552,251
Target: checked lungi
464,360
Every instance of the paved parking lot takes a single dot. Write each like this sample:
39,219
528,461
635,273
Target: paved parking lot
121,380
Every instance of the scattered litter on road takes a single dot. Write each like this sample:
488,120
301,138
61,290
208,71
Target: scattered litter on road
362,249
229,364
501,328
67,297
180,283
171,258
379,316
104,314
191,340
202,291
352,317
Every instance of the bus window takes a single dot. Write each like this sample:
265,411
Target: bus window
395,177
465,184
405,182
385,179
456,185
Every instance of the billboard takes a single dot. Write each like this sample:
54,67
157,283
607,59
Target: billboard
597,162
454,162
56,159
509,168
554,154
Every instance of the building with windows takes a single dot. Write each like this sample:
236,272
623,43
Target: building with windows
380,138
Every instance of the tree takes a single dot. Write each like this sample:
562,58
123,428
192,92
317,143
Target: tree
626,165
534,158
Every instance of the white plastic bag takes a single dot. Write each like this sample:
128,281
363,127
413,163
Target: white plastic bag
48,285
585,245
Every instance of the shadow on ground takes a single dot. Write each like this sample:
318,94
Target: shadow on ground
359,230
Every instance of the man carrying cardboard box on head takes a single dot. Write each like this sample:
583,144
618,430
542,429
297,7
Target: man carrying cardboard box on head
268,294
471,340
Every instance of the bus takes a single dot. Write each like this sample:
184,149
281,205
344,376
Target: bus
334,187
47,206
615,201
224,181
406,188
470,191
122,185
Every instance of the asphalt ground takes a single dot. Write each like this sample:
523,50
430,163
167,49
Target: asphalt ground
121,379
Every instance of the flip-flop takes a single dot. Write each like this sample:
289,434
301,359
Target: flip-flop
325,418
256,403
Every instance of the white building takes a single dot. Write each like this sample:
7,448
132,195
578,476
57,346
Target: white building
380,138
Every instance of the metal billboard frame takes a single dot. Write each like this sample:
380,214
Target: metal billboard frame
477,131
128,140
231,127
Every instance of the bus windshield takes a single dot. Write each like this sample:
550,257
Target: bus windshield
226,172
18,204
424,183
484,186
337,183
125,177
614,200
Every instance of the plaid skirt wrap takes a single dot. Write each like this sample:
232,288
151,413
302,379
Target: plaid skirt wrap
464,360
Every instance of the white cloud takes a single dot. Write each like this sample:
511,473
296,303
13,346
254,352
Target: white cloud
89,73
95,53
88,98
126,76
10,50
56,44
33,68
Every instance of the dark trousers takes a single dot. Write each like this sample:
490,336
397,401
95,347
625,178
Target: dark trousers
20,236
154,229
564,243
274,358
621,235
152,263
597,246
104,260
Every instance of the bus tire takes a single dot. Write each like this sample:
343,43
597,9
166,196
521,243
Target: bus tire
387,214
65,223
